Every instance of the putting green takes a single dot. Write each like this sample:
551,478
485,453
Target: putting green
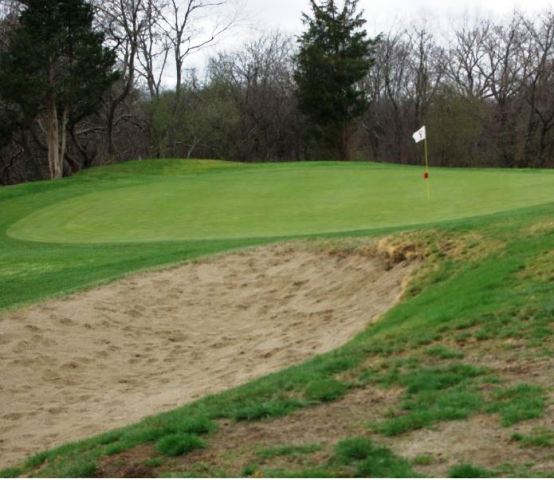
268,201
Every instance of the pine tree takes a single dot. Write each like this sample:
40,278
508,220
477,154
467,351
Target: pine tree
335,55
55,69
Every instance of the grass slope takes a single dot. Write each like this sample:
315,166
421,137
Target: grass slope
481,308
65,219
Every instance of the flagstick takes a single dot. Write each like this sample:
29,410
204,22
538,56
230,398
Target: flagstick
427,169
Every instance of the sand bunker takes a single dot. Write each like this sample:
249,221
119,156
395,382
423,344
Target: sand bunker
102,359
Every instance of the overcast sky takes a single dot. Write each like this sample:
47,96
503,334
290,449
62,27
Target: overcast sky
382,15
285,14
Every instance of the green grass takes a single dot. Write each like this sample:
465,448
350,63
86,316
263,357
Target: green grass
495,290
540,437
325,390
11,472
444,353
196,425
178,444
59,237
469,471
277,200
371,460
423,460
519,403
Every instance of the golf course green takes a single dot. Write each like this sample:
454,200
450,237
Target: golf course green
280,200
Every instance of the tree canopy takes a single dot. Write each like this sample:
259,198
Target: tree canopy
55,66
335,56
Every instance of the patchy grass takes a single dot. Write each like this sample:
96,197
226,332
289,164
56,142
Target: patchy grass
519,403
249,470
444,353
196,425
288,451
154,462
371,460
540,437
80,469
469,471
353,449
257,410
11,472
423,460
178,444
325,390
432,395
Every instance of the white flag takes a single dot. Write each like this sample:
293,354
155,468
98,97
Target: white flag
420,135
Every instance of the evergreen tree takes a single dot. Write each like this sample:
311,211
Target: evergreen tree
335,55
55,69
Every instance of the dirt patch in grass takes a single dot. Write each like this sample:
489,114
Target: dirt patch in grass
542,269
482,440
130,464
235,445
108,357
477,441
459,246
541,228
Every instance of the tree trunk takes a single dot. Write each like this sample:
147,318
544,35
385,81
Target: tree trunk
53,140
63,139
56,139
344,151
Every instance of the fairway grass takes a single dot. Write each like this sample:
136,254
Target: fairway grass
458,372
277,201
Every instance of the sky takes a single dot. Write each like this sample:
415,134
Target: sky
260,16
285,14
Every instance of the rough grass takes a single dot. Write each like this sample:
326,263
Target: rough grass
519,403
371,460
325,390
469,471
178,444
540,437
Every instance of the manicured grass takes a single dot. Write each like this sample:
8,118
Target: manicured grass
483,280
278,200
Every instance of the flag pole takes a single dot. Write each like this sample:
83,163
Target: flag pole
427,176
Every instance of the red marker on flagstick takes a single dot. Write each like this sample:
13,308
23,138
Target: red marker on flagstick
421,136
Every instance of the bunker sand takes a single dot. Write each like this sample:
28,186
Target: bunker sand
105,358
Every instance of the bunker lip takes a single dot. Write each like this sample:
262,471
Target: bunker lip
108,357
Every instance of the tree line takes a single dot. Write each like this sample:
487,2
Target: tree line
485,90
